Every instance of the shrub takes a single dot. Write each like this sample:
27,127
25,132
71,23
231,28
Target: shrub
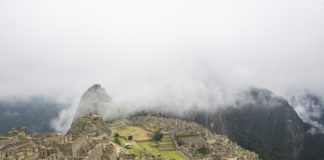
157,135
116,140
116,135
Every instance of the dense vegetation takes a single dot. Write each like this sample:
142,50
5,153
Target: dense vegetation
35,113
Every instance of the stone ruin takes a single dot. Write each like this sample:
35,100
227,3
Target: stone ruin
188,137
53,146
20,152
20,131
126,156
95,116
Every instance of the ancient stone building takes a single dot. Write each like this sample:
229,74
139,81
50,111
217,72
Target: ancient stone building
95,116
125,156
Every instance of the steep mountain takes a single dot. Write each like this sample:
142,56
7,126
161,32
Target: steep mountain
265,123
95,99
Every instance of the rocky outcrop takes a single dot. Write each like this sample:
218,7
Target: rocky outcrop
90,123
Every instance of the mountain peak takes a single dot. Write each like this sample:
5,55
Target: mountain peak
95,87
95,99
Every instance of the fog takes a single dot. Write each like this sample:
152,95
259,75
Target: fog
153,51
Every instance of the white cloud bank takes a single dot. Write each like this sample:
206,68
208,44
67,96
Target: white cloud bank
144,49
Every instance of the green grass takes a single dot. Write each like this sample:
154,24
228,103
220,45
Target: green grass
165,154
149,147
142,141
137,132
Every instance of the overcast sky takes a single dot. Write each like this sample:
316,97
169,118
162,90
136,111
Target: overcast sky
62,47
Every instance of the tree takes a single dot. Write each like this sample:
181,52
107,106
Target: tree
157,135
116,135
116,138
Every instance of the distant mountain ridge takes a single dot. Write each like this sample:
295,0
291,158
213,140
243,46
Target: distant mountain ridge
266,124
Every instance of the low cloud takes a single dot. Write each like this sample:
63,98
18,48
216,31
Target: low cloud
310,108
175,54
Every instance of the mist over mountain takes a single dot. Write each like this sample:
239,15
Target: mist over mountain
310,107
160,54
136,48
36,113
263,122
249,69
256,119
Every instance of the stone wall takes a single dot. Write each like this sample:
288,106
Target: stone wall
95,153
109,152
66,149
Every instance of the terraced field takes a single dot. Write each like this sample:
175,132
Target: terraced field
142,142
168,154
166,144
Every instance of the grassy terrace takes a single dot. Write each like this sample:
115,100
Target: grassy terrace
138,133
142,142
166,143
